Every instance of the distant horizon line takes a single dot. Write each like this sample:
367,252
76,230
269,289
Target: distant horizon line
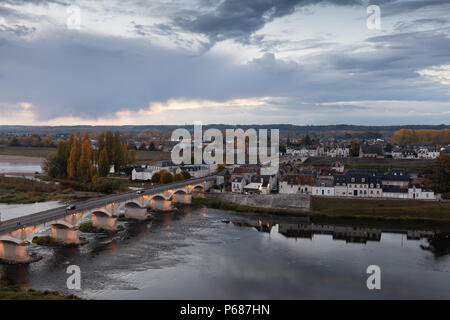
231,125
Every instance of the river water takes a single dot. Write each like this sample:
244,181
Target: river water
20,167
214,254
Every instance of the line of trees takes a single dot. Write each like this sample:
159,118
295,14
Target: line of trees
165,176
77,159
423,136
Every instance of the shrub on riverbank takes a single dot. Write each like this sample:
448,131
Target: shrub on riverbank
22,190
44,240
87,227
16,293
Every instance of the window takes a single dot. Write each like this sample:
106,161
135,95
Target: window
363,180
353,179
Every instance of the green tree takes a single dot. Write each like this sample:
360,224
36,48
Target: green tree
166,177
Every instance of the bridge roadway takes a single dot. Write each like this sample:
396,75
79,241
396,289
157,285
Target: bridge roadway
60,212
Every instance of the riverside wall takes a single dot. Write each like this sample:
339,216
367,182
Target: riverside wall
276,201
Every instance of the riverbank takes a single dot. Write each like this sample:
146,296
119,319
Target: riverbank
405,212
16,293
15,190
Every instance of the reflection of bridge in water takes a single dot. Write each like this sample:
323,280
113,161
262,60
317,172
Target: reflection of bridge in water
16,234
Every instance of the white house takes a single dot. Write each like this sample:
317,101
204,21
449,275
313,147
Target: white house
143,174
417,192
163,165
428,153
296,183
238,184
196,171
323,186
338,152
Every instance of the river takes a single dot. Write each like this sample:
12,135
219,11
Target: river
20,167
214,254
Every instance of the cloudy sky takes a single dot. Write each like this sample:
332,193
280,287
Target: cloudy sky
224,61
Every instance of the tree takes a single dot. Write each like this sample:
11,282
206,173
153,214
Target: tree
156,177
109,146
118,156
14,142
307,140
103,163
132,159
388,147
84,164
179,177
441,173
72,162
355,144
186,174
166,177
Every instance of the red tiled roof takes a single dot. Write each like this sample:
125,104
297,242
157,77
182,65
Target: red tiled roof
302,179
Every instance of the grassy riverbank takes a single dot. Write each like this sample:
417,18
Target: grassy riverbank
22,190
409,211
16,293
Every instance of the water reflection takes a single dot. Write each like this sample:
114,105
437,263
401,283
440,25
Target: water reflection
199,254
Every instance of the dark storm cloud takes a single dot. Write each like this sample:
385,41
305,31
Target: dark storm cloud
91,75
238,19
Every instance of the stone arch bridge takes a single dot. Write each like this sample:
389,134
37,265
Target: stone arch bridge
16,234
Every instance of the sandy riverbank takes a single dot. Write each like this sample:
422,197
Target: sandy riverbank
20,159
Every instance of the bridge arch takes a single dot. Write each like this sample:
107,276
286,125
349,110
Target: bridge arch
62,224
102,213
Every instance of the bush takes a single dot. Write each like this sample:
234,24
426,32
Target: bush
186,174
43,240
179,177
166,177
156,177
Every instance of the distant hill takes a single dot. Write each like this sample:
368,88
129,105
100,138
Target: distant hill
293,131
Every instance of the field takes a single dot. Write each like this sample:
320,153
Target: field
382,209
146,157
26,151
423,166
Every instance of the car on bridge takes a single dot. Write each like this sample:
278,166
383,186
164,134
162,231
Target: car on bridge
140,192
71,207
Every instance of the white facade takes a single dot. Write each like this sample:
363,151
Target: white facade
143,174
238,186
338,152
322,191
419,193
